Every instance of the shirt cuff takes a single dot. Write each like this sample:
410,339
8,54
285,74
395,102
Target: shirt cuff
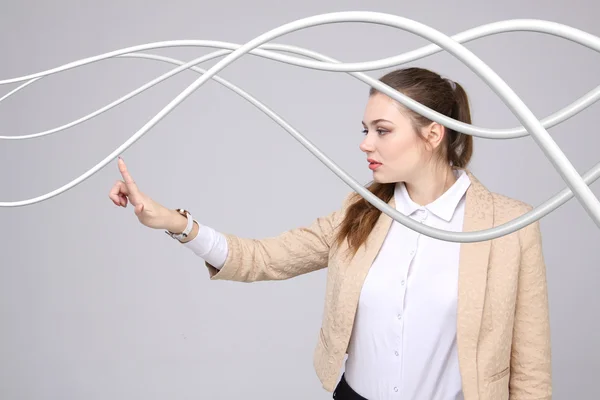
209,245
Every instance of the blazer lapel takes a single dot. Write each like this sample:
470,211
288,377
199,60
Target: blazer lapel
357,270
473,266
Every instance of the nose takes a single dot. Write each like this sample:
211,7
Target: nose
367,144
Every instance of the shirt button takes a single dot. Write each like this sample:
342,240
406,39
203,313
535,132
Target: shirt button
399,316
396,352
412,252
402,282
395,389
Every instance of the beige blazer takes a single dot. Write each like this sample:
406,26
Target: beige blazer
503,325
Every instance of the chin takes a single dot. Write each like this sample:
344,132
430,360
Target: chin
381,178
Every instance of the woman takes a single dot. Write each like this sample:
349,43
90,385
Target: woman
419,318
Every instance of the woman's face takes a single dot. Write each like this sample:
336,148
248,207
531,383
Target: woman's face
391,141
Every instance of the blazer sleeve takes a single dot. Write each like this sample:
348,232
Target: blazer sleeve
292,253
530,376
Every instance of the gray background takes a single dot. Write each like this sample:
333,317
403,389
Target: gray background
94,305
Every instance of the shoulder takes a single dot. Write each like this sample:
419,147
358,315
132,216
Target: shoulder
350,198
507,209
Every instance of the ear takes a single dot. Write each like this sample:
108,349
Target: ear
434,134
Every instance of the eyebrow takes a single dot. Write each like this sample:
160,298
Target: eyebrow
376,121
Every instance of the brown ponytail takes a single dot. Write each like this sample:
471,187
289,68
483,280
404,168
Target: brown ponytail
460,145
439,94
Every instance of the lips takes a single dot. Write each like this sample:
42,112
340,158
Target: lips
373,165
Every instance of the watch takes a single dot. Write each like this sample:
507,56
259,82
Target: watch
188,228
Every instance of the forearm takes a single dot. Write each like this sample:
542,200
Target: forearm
294,252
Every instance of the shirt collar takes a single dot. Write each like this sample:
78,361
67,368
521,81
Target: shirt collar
444,206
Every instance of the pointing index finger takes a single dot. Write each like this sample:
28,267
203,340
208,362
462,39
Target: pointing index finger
126,177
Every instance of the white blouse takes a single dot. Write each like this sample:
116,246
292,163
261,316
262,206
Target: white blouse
403,343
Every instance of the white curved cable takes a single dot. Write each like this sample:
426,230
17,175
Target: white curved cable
514,25
552,28
115,103
23,86
560,116
552,151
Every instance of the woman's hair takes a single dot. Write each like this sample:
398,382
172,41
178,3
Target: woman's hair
439,94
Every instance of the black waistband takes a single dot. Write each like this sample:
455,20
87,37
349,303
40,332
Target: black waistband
343,391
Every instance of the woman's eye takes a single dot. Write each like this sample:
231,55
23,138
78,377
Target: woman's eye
379,131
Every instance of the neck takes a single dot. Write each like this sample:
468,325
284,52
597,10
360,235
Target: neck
430,184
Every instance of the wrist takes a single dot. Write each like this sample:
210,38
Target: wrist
176,223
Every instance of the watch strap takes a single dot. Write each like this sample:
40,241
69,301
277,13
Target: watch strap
188,228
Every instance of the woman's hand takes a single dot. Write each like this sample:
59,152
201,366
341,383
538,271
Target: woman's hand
149,212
